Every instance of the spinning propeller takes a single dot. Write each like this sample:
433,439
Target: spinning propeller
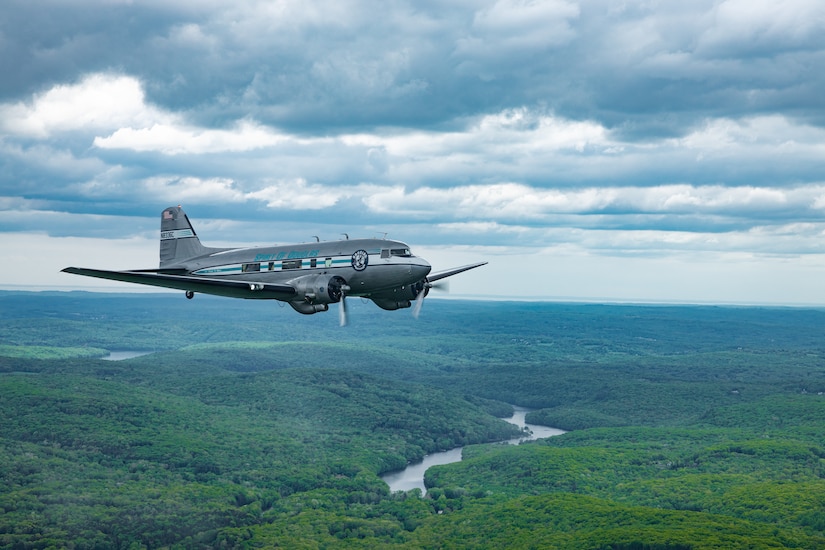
342,310
423,288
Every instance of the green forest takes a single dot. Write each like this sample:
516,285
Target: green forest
246,425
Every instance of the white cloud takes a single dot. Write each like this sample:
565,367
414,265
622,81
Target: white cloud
116,103
513,131
191,189
179,139
98,102
298,194
764,25
520,202
482,228
163,190
722,135
515,27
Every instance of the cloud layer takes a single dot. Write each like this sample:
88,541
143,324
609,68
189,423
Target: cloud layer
555,128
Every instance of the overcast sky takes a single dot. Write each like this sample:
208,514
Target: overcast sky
630,151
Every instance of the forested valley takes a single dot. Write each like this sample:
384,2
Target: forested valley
246,425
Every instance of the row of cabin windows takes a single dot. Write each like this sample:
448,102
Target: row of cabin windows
286,264
313,262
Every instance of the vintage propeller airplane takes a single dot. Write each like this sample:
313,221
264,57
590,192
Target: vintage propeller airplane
307,276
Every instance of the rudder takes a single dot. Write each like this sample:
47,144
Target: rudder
178,240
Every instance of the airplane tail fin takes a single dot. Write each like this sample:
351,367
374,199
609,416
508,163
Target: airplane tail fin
178,240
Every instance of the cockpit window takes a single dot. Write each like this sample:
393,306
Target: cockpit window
403,252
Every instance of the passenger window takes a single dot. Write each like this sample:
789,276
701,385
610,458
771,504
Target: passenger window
248,268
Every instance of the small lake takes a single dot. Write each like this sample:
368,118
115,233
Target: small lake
412,476
124,354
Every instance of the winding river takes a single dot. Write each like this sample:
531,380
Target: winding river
412,476
124,354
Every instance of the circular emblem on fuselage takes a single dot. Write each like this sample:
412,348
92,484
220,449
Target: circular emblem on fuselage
360,259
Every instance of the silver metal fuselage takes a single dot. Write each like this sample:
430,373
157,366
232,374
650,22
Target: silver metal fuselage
367,265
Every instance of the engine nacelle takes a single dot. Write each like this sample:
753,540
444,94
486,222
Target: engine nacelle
400,297
308,309
318,290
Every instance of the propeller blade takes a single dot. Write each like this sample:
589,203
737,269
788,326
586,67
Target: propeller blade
441,286
419,302
426,285
342,310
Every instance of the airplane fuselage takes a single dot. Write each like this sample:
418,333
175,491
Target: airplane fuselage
367,265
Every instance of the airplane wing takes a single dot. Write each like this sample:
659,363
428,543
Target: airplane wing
205,285
454,271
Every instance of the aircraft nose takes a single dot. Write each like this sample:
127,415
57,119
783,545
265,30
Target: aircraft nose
420,269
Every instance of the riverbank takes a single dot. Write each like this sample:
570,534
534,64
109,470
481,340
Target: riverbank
412,477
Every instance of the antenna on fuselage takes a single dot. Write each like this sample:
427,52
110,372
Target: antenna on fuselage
317,238
345,235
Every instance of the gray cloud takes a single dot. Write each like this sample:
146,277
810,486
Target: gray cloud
342,64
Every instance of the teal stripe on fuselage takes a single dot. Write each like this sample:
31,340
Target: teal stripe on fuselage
320,263
222,270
